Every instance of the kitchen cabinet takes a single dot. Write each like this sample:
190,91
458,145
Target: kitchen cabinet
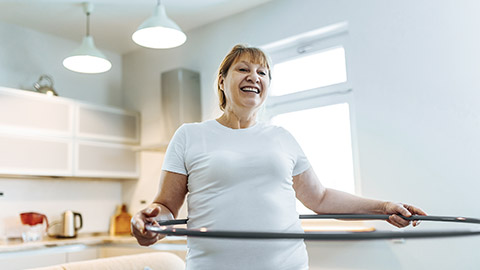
87,253
119,250
99,159
33,113
110,124
55,136
35,155
59,251
47,257
31,260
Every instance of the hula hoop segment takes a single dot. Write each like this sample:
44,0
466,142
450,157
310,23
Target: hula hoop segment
327,236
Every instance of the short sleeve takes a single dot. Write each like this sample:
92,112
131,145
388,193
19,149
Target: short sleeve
174,160
301,161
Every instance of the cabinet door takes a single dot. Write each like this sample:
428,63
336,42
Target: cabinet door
96,159
30,259
103,123
29,112
89,253
35,155
114,251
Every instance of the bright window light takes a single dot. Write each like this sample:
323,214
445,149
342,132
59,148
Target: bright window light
325,136
310,71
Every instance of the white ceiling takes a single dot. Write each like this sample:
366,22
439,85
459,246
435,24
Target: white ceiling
112,22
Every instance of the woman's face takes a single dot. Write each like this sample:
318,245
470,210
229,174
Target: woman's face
246,85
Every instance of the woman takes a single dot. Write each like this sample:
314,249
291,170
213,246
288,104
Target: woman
243,175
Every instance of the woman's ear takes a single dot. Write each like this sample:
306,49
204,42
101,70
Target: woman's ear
220,82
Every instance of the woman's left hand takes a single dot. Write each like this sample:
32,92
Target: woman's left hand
395,209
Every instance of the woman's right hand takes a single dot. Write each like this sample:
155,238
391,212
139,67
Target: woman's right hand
149,215
165,207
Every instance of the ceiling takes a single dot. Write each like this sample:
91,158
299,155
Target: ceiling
112,22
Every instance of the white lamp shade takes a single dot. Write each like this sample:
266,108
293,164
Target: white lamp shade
87,59
159,31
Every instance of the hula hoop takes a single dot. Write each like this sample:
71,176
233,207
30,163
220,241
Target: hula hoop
374,235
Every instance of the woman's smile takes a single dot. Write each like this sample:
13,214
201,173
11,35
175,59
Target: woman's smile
245,85
250,89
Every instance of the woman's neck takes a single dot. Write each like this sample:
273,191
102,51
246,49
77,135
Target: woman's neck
236,121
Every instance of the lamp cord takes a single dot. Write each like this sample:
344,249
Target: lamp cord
88,24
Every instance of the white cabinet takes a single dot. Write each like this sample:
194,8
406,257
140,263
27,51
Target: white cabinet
102,123
27,260
107,251
105,160
103,143
44,135
89,253
47,256
30,112
35,155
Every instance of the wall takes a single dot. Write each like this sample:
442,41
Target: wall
25,55
413,66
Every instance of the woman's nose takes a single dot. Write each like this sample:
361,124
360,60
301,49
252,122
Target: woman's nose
253,77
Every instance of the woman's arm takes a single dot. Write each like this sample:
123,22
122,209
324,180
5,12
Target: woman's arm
165,206
323,200
172,192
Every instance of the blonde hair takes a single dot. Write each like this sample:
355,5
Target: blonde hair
254,54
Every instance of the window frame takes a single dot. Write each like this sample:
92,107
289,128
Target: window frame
313,42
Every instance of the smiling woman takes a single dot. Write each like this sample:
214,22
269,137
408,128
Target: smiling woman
239,173
245,61
245,89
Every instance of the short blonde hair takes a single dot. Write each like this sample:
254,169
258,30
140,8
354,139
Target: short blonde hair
254,54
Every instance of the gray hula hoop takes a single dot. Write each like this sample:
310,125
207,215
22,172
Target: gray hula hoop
167,229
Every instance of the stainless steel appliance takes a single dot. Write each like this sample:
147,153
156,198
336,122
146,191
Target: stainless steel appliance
68,226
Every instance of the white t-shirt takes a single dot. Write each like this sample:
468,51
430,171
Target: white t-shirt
240,179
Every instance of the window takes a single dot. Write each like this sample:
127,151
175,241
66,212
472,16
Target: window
311,97
327,142
324,135
314,70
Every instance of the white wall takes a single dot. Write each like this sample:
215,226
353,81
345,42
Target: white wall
25,55
414,70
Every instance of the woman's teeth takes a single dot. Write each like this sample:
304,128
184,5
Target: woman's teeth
250,89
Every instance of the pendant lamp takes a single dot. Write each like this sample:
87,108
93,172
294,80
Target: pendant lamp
159,31
87,58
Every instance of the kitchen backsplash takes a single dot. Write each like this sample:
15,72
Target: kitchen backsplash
96,200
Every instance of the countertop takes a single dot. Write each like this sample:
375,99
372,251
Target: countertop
16,245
